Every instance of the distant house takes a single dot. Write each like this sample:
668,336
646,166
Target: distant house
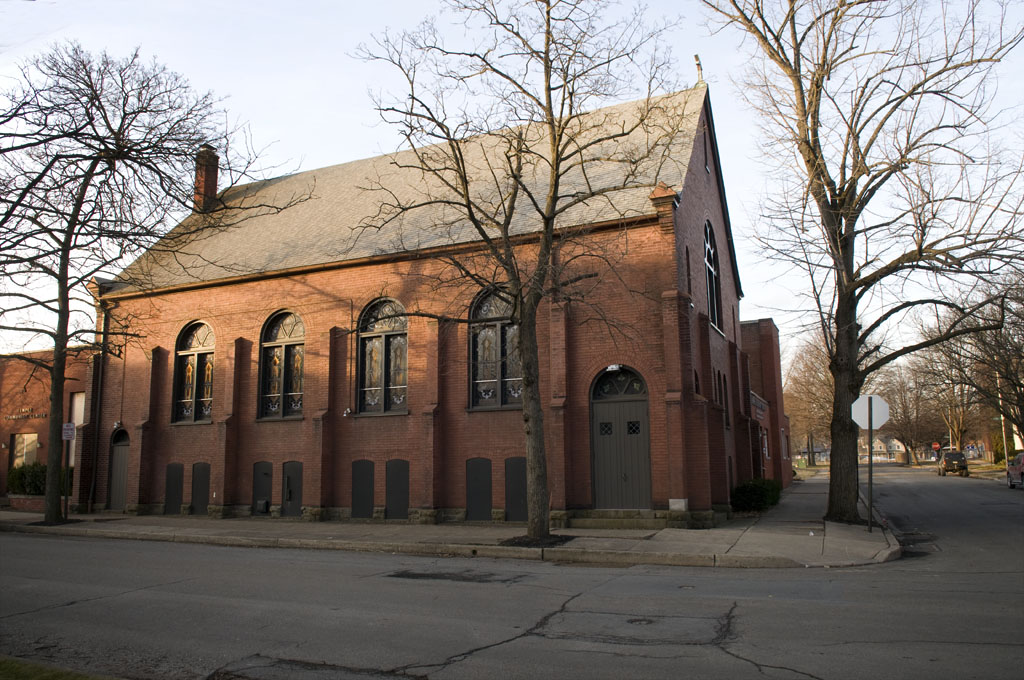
288,368
883,448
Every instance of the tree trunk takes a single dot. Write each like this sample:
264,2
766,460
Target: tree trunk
54,442
843,485
537,496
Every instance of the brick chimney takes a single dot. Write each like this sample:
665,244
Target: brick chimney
206,179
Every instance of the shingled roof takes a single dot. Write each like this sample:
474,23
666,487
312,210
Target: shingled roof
350,211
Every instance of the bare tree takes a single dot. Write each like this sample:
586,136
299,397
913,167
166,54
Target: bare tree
97,162
989,364
808,394
914,418
892,195
511,155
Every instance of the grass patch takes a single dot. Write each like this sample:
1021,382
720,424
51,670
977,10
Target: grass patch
18,669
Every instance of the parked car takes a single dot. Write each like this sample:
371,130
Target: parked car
953,461
1015,471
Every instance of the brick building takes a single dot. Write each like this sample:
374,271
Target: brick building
300,364
25,408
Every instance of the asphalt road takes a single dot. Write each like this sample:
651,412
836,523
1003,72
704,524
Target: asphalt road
953,609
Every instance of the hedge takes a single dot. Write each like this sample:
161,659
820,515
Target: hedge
30,479
756,495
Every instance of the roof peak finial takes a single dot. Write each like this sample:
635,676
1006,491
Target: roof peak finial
700,70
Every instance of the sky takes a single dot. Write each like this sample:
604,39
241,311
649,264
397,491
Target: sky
290,71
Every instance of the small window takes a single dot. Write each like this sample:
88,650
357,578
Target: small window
383,348
193,375
23,449
725,404
707,156
282,354
496,369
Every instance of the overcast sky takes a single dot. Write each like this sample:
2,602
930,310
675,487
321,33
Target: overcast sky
289,70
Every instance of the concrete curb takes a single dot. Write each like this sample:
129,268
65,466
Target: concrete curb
567,555
894,550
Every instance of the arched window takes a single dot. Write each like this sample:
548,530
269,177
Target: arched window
193,375
282,352
497,372
714,276
383,344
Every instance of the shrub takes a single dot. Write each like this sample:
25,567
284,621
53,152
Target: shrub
756,495
31,479
27,479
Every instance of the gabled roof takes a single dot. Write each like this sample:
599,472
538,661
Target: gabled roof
342,220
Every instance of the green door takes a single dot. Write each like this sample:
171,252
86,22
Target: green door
620,439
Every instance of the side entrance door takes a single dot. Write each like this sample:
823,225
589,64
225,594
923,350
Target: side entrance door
200,488
291,492
118,471
173,491
620,440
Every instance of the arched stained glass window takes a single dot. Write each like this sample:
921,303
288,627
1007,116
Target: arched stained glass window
193,375
282,354
496,368
618,382
714,276
383,348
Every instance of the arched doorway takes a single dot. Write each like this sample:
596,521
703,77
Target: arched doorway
117,489
620,440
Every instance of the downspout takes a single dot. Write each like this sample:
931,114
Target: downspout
98,408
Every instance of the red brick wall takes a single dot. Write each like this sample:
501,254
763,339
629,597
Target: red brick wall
645,309
25,402
139,391
761,343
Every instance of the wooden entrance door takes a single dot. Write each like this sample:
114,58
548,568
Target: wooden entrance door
620,439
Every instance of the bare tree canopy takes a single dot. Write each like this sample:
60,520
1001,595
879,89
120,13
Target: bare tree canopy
808,393
509,147
914,416
989,364
893,194
97,163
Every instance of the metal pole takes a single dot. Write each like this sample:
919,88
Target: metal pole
1002,424
871,467
64,476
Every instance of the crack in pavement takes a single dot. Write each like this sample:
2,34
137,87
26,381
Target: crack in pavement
462,656
71,603
726,632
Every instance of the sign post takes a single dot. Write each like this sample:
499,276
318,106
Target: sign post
67,433
870,411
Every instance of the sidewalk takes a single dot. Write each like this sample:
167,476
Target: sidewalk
792,534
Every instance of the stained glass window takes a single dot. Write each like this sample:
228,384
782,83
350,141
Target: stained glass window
618,383
282,354
193,375
714,276
383,363
496,367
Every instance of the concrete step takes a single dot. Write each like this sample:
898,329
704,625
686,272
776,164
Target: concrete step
628,513
616,523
